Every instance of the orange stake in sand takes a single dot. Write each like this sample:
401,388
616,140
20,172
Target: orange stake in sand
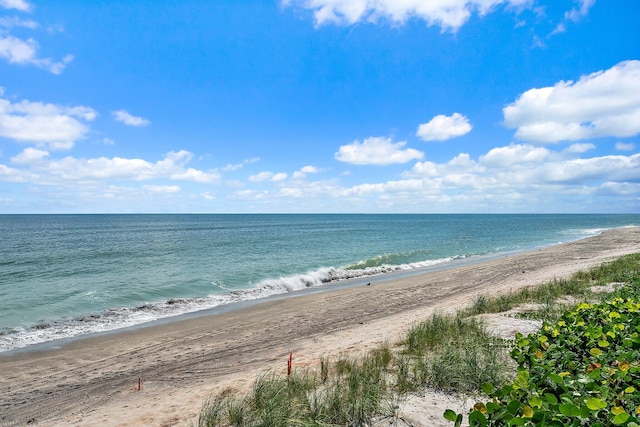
289,363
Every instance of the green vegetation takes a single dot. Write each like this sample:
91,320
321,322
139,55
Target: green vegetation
456,354
551,297
582,370
350,393
452,354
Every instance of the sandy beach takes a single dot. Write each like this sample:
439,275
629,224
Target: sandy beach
94,381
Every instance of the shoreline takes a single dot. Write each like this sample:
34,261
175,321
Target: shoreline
339,284
93,380
397,272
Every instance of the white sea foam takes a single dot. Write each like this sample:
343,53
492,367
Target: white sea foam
117,318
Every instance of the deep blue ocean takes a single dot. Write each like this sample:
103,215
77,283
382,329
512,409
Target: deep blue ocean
67,275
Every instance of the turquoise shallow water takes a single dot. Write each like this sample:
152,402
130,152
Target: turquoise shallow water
67,275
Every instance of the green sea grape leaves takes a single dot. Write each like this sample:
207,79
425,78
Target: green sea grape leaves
584,370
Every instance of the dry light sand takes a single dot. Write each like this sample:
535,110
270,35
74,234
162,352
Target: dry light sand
94,381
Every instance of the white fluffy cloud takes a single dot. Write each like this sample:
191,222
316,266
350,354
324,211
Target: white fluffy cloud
54,126
579,171
448,14
523,166
128,119
518,177
605,103
234,167
309,169
395,186
24,51
513,178
268,176
70,169
279,177
621,146
14,21
17,51
574,15
505,157
30,156
161,189
580,148
304,171
377,151
261,177
442,127
21,5
577,13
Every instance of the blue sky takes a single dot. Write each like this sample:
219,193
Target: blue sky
319,106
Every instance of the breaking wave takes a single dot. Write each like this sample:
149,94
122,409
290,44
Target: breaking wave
122,317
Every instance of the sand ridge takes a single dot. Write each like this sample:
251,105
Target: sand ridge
93,381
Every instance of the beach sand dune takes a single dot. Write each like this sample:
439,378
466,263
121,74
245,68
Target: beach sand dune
94,381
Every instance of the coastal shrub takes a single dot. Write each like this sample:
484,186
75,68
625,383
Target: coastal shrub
583,370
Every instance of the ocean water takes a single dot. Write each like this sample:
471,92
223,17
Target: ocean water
63,276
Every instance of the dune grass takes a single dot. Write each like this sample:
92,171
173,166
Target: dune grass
350,393
552,295
451,353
